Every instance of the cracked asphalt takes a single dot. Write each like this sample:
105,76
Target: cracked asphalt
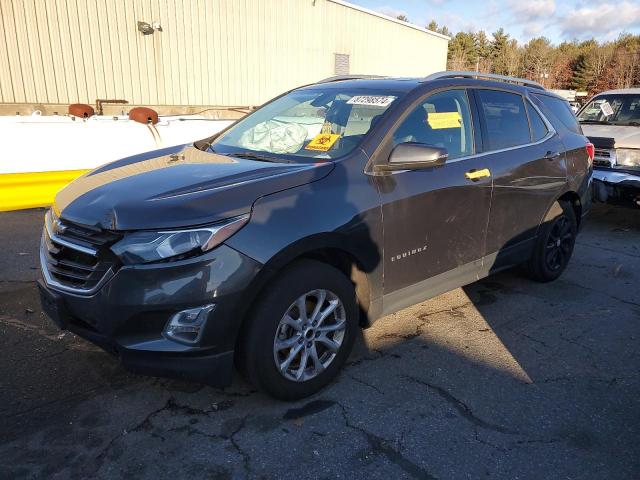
505,378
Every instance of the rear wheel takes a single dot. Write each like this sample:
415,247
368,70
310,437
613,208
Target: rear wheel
301,331
555,243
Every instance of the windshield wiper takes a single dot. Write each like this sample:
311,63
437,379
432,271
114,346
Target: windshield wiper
599,122
632,123
256,156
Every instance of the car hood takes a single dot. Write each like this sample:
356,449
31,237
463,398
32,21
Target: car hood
624,136
176,187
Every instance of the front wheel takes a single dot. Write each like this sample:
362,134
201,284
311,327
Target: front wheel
301,331
555,243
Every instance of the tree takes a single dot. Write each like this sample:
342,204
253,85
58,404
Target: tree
588,65
462,53
537,59
402,18
582,74
623,66
483,49
433,26
561,70
498,50
512,58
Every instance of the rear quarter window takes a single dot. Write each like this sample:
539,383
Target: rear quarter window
538,128
558,112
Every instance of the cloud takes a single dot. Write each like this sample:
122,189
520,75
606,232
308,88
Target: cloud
533,29
599,20
526,11
522,19
457,23
391,11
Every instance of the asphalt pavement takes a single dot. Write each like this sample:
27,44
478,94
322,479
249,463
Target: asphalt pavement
503,379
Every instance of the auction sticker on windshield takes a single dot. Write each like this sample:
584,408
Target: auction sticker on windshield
322,142
606,109
371,100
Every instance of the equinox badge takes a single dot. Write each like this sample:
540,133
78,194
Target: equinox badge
408,253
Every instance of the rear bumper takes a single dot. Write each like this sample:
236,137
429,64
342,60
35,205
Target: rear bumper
127,316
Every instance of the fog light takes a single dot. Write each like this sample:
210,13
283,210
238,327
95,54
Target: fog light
187,326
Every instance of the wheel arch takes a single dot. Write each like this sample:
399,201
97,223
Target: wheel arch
574,200
331,249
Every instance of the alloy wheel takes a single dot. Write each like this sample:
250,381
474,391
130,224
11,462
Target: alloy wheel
309,335
559,244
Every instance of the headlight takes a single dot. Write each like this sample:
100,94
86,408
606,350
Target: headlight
628,157
145,247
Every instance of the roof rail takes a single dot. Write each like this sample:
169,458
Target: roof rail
488,76
337,78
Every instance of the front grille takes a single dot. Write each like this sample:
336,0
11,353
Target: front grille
74,257
603,157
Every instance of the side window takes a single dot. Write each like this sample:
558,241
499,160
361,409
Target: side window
560,112
505,119
443,120
538,128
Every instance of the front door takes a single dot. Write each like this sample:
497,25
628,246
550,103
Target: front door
435,219
528,165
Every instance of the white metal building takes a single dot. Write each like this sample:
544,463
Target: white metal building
197,52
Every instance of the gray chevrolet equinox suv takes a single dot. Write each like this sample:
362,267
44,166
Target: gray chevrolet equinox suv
271,243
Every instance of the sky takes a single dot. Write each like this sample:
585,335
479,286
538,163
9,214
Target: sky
522,19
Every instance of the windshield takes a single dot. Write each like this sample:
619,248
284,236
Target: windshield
612,109
307,124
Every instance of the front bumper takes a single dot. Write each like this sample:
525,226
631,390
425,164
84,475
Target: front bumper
127,315
610,185
617,178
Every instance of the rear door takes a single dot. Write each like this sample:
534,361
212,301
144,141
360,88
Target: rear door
528,166
435,219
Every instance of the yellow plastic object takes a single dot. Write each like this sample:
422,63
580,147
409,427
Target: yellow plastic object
34,189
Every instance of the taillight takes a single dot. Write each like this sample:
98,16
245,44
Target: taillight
591,151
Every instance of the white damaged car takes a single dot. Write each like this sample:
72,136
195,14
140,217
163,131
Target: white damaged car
611,120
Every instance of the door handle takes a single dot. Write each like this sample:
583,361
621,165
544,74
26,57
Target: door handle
476,175
551,155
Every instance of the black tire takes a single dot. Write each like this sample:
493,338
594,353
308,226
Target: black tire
256,354
555,243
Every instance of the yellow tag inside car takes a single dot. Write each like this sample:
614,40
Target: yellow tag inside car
322,142
443,120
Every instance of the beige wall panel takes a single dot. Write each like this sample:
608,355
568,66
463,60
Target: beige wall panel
209,52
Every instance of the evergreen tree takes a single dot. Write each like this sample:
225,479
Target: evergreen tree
483,49
498,52
582,74
462,53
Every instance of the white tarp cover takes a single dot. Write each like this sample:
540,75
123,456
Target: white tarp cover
52,143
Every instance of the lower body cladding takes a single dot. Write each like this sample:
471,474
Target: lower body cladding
176,319
615,186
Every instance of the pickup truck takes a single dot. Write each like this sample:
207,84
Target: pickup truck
611,120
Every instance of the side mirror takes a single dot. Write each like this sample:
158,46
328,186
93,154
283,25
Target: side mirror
414,156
